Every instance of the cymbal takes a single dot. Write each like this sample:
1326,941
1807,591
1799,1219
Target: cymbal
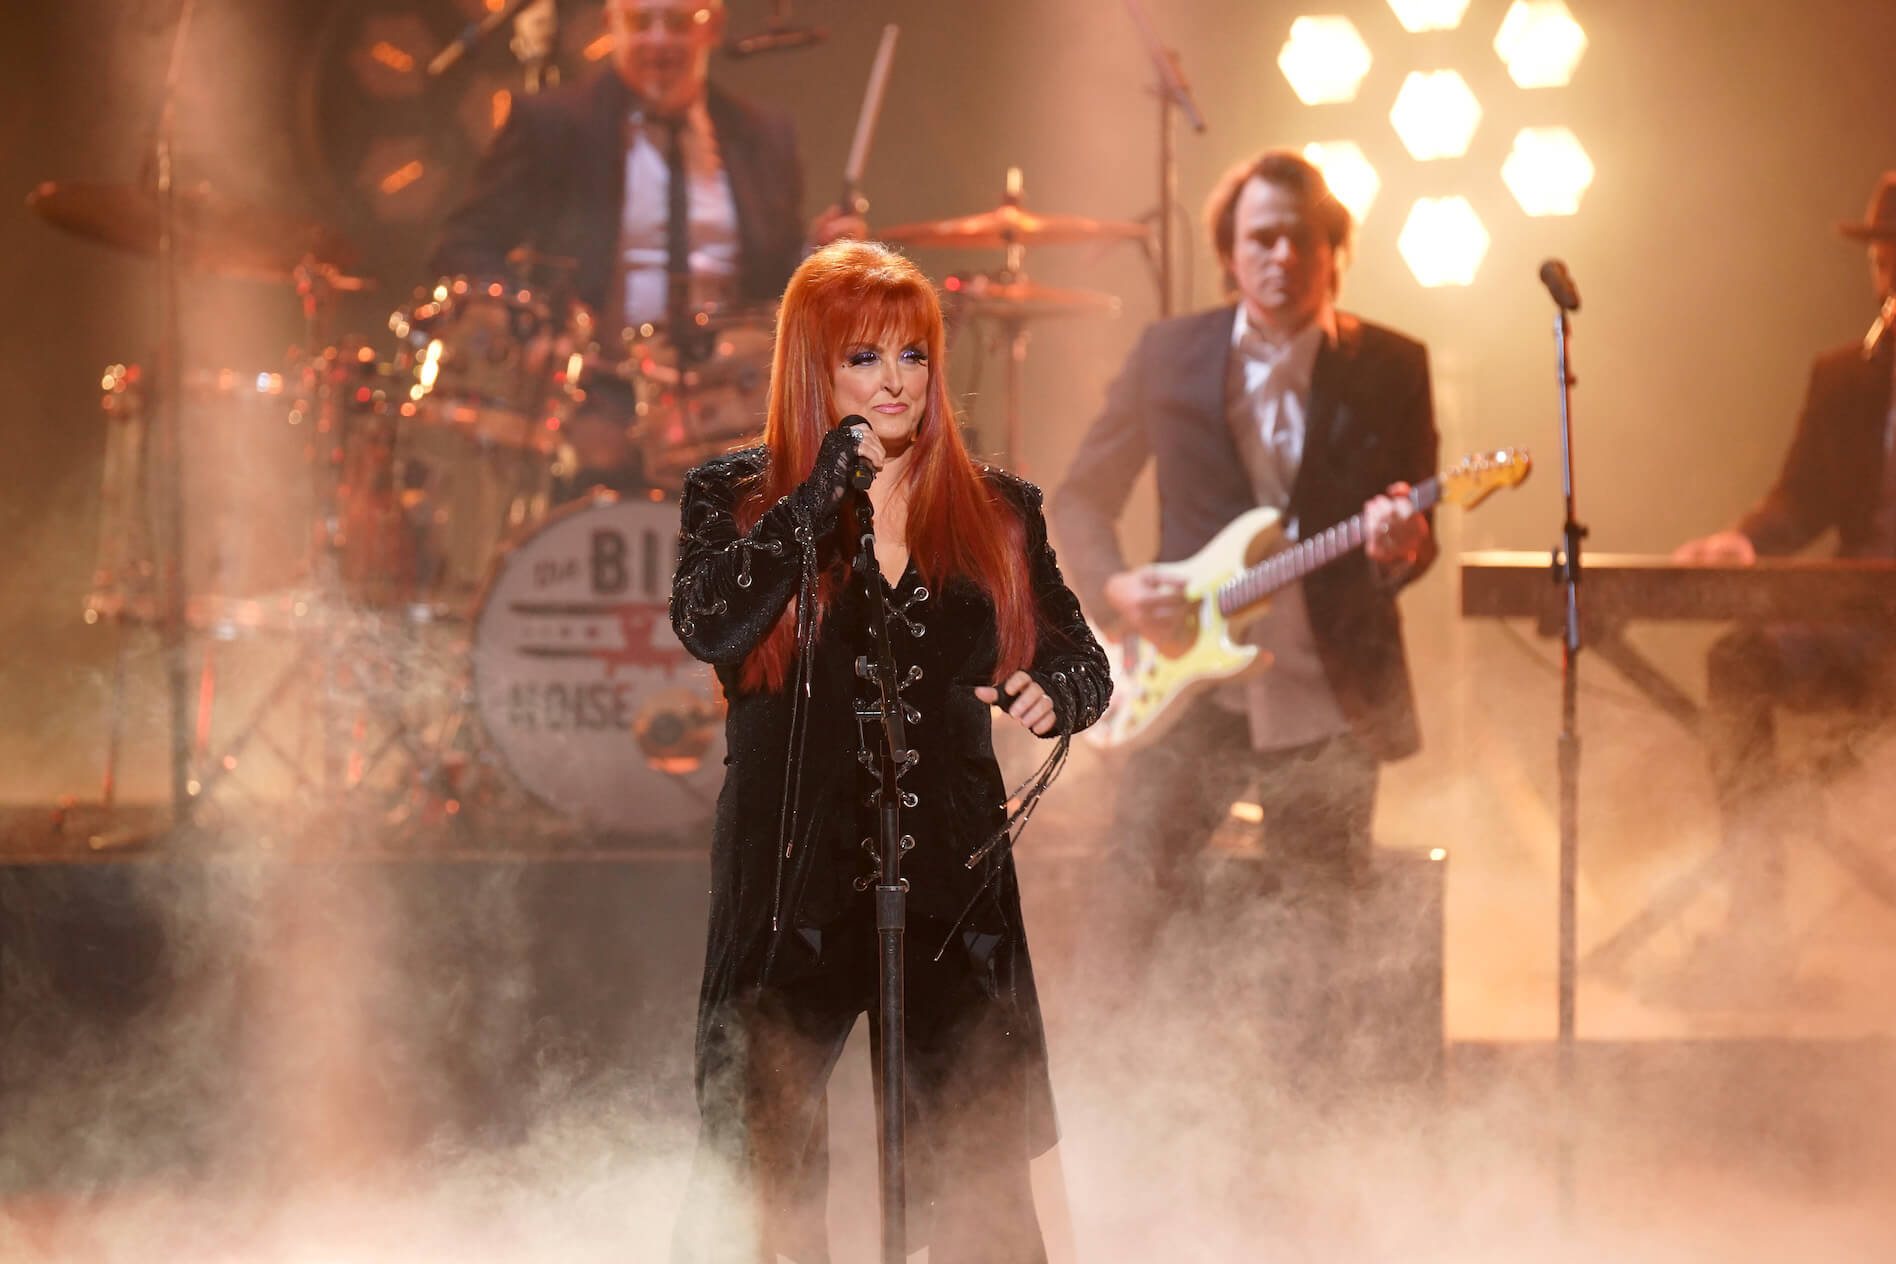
214,233
1022,299
1009,225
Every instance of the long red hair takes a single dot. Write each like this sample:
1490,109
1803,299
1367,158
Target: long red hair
958,527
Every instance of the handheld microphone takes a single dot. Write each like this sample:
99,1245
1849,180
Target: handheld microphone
779,39
861,473
1559,283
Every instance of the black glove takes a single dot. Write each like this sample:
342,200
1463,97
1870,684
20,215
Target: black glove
819,496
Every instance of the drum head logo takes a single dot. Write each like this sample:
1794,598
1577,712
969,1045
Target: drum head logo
594,704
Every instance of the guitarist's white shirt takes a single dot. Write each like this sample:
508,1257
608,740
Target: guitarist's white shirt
1267,398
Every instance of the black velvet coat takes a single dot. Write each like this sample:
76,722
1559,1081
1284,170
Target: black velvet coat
728,591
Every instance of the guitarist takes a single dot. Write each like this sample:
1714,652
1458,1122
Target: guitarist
1276,399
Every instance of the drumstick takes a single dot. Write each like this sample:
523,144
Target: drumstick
866,121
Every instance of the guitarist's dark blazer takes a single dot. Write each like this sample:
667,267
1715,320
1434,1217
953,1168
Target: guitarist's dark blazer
554,180
1833,473
1370,423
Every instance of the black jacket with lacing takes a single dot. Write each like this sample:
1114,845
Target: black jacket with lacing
793,810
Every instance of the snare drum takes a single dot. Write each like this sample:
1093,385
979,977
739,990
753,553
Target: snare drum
593,704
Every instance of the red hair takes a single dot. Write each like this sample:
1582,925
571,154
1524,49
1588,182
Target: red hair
958,526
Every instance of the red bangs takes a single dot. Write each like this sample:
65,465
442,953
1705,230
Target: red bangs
843,295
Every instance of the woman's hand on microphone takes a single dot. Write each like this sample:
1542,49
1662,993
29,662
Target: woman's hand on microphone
868,447
1031,705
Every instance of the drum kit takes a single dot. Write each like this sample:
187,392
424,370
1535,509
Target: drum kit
380,505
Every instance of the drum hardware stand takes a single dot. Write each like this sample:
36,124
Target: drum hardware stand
1566,571
126,484
320,661
1011,333
891,889
1174,95
171,552
165,500
346,759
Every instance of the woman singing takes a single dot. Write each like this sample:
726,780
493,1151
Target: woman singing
767,591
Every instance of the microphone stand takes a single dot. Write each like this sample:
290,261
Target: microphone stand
1566,572
893,758
1174,95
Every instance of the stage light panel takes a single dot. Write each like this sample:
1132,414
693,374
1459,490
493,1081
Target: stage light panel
1324,60
1540,43
390,56
1443,241
1547,171
1348,172
401,179
484,107
1435,114
1429,15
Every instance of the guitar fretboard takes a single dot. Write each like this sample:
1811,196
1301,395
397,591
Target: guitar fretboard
1282,569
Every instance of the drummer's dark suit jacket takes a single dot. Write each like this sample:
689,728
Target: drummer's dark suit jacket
1370,423
1833,474
554,180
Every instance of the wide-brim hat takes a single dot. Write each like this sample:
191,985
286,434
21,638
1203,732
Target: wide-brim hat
1879,221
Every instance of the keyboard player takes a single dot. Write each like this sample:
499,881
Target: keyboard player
1837,475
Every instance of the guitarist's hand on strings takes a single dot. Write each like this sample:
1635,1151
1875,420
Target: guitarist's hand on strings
1394,534
1152,603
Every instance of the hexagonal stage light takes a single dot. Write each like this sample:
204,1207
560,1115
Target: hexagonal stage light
1435,114
1348,173
1324,60
1429,15
1547,170
1443,241
1540,43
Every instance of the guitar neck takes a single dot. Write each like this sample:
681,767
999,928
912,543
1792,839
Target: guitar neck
1282,569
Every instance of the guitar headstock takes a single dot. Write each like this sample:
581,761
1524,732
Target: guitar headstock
1476,477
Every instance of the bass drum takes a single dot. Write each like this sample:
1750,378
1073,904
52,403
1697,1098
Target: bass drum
594,706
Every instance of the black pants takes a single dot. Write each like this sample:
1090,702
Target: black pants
1294,900
766,1125
1318,801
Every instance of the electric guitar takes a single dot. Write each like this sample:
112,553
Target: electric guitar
1230,581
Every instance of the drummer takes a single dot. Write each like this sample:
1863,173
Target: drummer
657,195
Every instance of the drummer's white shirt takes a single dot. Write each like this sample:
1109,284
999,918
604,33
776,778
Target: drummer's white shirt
714,241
